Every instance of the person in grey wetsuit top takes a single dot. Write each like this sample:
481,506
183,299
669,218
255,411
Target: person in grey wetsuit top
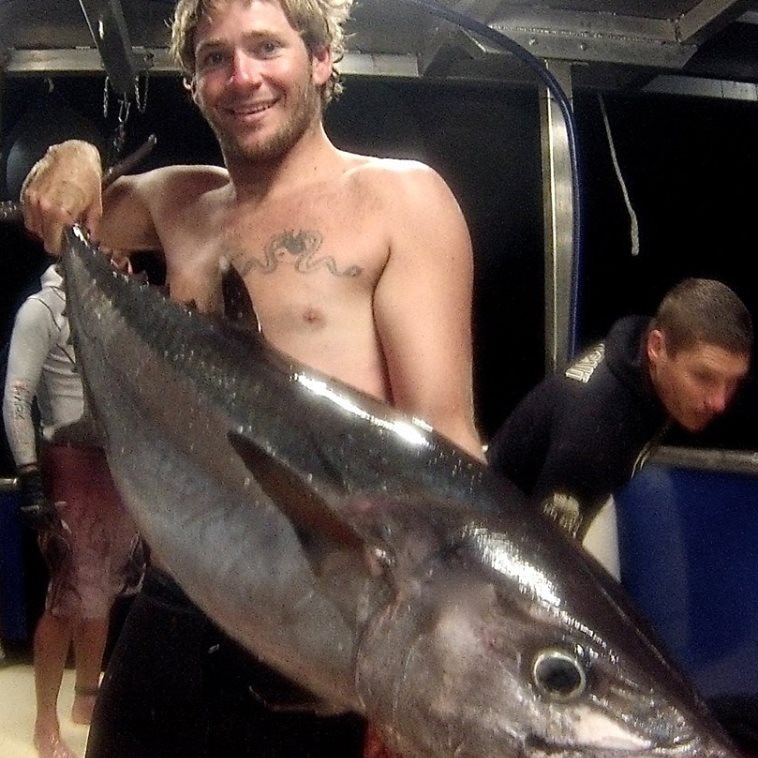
68,497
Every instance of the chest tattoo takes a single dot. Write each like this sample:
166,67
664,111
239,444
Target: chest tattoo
302,248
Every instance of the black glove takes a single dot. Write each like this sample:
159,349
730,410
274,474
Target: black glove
38,513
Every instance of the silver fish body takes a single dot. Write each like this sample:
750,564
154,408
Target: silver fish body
360,553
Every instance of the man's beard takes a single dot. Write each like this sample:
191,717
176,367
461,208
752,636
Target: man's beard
307,109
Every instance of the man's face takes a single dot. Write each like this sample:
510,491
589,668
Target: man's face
695,384
255,82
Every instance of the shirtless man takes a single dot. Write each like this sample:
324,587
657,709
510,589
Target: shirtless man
358,266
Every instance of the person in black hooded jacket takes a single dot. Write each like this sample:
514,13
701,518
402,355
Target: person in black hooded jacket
580,435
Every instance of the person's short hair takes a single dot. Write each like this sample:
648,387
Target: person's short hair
704,311
319,22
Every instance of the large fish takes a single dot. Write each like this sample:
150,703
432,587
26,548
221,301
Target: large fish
359,552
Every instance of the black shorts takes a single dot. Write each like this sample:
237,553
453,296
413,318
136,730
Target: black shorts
176,685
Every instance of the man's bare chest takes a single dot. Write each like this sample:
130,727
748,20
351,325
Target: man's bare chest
321,241
326,242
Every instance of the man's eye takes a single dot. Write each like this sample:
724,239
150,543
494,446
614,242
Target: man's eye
267,48
211,59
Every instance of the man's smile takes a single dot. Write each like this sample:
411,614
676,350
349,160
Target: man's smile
249,109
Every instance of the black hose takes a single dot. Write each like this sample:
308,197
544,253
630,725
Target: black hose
501,40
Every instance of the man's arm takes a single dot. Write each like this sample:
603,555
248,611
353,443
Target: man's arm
422,304
32,337
34,333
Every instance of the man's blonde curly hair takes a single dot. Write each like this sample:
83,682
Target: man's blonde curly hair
319,23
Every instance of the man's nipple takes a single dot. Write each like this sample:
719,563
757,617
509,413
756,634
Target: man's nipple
313,317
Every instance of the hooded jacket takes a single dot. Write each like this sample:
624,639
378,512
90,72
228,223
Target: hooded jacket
579,436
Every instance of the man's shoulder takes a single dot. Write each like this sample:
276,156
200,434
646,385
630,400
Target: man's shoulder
404,187
377,169
196,178
577,391
40,312
544,402
46,298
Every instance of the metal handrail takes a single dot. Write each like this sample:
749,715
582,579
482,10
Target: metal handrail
708,459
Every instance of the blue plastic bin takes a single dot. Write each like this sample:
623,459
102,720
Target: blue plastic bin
13,611
688,544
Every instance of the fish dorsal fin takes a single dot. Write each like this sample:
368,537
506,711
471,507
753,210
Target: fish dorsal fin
318,527
238,306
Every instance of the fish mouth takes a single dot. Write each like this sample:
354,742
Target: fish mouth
638,746
538,748
611,733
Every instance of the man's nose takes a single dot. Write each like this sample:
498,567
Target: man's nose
717,399
245,69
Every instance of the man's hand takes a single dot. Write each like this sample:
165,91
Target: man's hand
38,513
62,188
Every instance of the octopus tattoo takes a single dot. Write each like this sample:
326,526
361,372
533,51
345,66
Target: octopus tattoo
304,246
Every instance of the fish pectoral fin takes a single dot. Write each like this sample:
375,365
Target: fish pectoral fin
318,527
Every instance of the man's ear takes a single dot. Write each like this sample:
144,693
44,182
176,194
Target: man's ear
190,85
656,346
323,61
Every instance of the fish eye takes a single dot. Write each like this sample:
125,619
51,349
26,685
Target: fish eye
559,674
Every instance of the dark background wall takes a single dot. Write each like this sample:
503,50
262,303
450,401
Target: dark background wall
689,165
